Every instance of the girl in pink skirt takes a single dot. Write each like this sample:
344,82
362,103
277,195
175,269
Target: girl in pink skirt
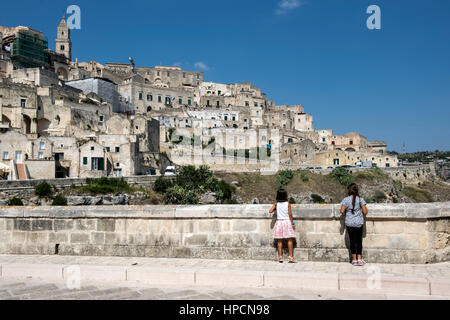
285,226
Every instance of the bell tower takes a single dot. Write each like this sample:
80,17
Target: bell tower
63,43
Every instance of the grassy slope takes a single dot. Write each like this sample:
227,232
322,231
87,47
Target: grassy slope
371,181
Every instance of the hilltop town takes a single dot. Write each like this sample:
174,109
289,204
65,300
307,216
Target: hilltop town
63,118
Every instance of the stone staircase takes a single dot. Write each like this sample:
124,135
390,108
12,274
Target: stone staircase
21,171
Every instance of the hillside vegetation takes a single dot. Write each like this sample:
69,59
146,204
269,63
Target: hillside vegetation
308,187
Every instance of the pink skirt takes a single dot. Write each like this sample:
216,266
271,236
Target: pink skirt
283,230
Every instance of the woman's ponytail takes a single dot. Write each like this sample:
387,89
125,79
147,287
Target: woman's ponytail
353,191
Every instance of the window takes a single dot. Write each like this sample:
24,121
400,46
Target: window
168,100
92,148
159,99
40,155
5,155
290,140
226,118
85,161
42,146
118,172
180,101
256,104
323,139
59,156
149,97
108,149
117,149
184,74
234,118
218,103
23,103
247,103
333,143
97,164
168,73
140,95
62,47
207,102
351,141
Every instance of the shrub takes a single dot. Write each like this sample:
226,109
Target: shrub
317,199
161,185
304,176
43,190
106,186
343,176
284,177
224,191
179,195
15,202
59,200
379,196
291,200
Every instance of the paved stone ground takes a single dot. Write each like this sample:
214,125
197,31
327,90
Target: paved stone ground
25,289
441,270
32,288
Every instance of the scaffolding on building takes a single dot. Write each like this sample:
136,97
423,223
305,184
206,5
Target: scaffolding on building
29,50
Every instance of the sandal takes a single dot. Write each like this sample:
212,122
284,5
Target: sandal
280,259
361,262
292,260
355,263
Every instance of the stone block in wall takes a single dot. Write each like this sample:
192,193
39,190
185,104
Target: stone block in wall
108,225
327,226
376,241
244,225
22,224
410,242
5,236
97,238
328,254
138,226
37,237
195,240
208,226
441,225
58,237
313,211
13,212
415,227
86,224
63,224
320,240
41,225
386,256
386,227
19,237
79,238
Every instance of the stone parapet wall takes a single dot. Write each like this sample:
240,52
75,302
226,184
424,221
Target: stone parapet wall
393,233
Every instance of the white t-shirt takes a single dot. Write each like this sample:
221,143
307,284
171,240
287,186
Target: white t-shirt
283,211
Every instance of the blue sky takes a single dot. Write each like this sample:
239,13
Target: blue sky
391,84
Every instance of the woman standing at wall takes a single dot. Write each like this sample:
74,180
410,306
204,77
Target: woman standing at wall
355,208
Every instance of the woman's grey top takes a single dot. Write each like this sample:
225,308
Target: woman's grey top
355,219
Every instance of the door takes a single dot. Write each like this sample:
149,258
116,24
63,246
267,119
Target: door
18,156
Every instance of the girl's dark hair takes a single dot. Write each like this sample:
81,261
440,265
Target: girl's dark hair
282,195
353,190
